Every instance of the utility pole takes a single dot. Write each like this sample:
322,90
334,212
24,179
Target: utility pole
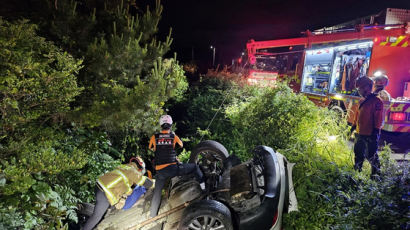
213,55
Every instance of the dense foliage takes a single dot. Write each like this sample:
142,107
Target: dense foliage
330,194
37,84
78,106
126,80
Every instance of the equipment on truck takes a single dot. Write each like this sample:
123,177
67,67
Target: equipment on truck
324,66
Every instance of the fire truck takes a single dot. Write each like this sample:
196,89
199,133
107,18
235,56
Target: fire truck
324,66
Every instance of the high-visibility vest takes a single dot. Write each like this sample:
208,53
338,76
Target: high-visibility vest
119,181
164,148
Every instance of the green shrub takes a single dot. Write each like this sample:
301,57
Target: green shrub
38,80
101,158
310,136
382,203
38,83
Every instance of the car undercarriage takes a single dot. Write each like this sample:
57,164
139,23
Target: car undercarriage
253,194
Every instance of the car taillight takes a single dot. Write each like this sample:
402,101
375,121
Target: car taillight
275,218
398,116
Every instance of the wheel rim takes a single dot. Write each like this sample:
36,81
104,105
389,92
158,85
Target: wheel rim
211,161
206,222
338,110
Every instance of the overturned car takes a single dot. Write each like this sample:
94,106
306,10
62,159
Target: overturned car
249,195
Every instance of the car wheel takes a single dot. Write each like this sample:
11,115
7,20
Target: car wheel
206,214
209,155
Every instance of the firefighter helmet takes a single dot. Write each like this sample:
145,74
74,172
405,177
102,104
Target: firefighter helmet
165,119
381,81
364,81
139,162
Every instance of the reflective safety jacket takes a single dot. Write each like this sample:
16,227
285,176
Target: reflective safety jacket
118,182
383,94
163,144
369,116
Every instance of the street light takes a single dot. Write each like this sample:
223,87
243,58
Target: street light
213,55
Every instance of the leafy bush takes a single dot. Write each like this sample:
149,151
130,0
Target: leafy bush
125,77
203,107
38,80
56,137
37,85
101,158
361,203
308,135
331,195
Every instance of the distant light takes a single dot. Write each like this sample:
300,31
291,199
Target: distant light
243,53
378,73
290,47
388,28
211,47
376,39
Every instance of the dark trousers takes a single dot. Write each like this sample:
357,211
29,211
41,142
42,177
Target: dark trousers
365,147
167,173
101,206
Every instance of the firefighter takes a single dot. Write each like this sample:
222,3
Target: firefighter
166,162
368,123
380,83
113,186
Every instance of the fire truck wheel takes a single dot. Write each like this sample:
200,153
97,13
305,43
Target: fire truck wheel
339,110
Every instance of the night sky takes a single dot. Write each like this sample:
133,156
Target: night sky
229,24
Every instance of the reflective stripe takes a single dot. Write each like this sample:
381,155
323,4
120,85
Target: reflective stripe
123,177
125,167
114,182
385,42
141,180
110,197
399,39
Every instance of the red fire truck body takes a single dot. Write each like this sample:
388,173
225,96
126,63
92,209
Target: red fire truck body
325,66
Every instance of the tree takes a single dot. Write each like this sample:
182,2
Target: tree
126,81
38,82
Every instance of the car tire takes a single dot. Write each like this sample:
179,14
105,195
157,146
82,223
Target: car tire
216,148
210,214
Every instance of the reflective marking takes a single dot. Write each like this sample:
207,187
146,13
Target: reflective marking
111,196
114,182
123,177
399,39
385,42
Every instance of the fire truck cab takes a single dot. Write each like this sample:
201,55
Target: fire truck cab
325,65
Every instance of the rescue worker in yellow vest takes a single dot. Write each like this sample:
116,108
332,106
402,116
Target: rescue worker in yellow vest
368,123
380,83
166,163
115,185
